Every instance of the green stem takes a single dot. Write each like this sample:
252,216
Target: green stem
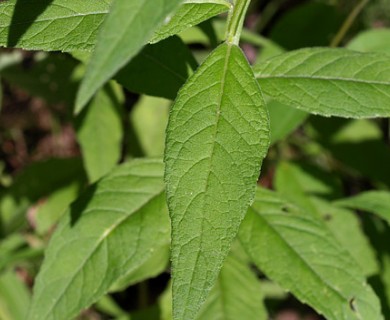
236,21
348,23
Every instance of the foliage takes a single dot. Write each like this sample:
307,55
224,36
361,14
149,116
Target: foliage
156,188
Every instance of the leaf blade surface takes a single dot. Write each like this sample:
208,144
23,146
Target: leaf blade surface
121,37
217,137
112,229
329,82
295,250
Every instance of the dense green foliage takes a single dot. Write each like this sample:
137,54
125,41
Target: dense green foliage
174,127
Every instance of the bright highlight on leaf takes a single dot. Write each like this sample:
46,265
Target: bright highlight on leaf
122,35
329,82
217,137
318,272
110,231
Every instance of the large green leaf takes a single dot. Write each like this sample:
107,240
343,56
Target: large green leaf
191,13
377,202
329,82
39,26
127,27
51,25
296,251
110,231
100,132
217,137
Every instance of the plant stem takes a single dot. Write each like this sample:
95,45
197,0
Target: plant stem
236,21
348,23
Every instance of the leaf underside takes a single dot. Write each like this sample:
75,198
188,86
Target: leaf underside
217,137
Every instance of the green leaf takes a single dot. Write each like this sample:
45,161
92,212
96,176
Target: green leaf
191,13
377,202
51,25
310,24
347,229
375,40
283,120
154,266
39,26
149,119
236,294
14,297
296,251
127,27
217,137
112,229
100,132
36,181
159,70
50,211
329,82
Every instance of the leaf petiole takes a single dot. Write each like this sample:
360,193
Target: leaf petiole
236,21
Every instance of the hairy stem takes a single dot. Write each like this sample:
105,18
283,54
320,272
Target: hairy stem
236,21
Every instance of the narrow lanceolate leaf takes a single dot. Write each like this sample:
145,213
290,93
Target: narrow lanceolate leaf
100,132
51,25
127,27
191,13
295,250
236,294
110,231
377,202
217,137
329,82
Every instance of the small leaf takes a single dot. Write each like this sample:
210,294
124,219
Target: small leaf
296,251
217,137
329,82
110,231
374,40
191,13
149,119
121,37
100,132
377,202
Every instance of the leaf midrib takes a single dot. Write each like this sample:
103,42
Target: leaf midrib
323,78
338,294
218,112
